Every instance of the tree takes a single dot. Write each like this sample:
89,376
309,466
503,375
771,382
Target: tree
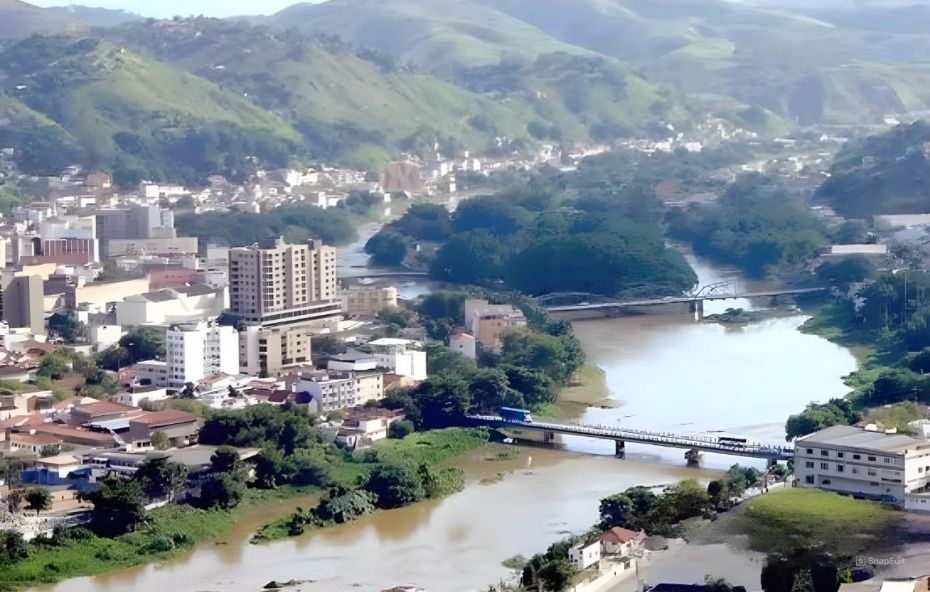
395,486
38,499
161,478
225,460
802,582
14,501
119,506
66,326
714,490
222,490
556,575
387,248
400,429
161,441
54,365
327,345
269,468
13,547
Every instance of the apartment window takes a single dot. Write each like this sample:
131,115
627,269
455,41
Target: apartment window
839,468
810,451
809,479
824,453
872,472
857,456
871,459
824,466
887,460
839,455
809,464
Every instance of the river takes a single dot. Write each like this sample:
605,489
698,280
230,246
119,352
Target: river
663,371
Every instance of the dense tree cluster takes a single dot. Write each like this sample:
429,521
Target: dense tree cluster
295,222
756,225
639,508
883,174
547,236
817,416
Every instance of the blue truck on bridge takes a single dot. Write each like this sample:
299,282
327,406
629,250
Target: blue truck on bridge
514,414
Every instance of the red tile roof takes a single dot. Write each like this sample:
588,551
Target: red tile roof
104,408
35,439
75,435
155,419
617,535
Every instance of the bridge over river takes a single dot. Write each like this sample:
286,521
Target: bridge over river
695,302
692,443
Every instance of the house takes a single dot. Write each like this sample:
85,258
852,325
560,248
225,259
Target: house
135,395
34,443
400,356
489,322
153,372
584,555
464,344
621,541
364,425
180,427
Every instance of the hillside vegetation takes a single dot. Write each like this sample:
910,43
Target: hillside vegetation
139,116
884,174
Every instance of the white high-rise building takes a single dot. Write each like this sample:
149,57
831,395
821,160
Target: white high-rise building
199,350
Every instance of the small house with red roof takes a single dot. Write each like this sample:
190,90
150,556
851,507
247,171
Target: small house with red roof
621,541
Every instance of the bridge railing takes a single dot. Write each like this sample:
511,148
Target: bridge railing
646,436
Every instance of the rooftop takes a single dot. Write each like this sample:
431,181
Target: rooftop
618,535
35,439
167,417
858,249
389,341
855,437
103,408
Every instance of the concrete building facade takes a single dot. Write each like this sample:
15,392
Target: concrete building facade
275,283
368,299
863,462
196,351
23,303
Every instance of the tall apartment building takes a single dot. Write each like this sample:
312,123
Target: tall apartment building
280,290
196,351
892,467
22,302
133,221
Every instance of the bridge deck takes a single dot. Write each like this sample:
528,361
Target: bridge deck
667,439
683,299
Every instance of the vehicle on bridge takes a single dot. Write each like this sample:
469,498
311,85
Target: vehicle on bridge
733,441
514,414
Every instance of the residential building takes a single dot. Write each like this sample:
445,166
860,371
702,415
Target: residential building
621,542
36,444
196,351
865,462
363,426
151,372
464,344
183,305
268,351
399,356
368,300
331,391
22,304
489,322
135,395
584,555
275,283
152,246
352,361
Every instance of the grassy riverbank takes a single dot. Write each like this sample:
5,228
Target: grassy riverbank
588,388
176,529
436,448
170,531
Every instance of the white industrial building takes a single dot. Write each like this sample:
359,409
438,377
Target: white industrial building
196,351
164,307
892,467
400,357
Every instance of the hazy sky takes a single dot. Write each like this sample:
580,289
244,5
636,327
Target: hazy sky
169,8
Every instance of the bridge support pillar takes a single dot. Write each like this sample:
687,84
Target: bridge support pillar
696,308
693,457
771,463
619,449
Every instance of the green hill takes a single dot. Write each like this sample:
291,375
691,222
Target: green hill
357,104
438,35
800,68
139,116
19,20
